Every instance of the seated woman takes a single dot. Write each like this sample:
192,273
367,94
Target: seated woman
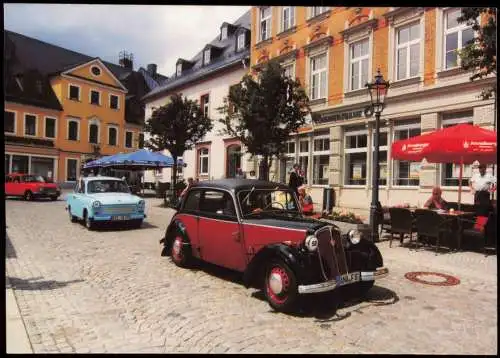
436,201
305,201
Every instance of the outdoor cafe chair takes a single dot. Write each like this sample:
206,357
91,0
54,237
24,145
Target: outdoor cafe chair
383,219
402,223
432,225
484,233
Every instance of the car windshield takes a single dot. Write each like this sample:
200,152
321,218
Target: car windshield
257,201
107,186
33,179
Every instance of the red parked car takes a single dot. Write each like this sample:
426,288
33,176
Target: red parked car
256,227
30,187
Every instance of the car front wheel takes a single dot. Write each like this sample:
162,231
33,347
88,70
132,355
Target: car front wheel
28,196
89,224
179,252
280,286
72,217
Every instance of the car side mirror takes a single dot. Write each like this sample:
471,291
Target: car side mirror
220,212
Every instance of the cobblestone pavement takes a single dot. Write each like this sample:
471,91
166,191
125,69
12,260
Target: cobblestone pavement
111,291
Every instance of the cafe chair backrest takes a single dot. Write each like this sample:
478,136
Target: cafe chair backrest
401,220
428,222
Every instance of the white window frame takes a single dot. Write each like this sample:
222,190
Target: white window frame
460,29
291,18
382,148
77,121
92,73
205,105
178,70
201,156
287,144
268,20
318,72
45,127
317,153
66,169
312,11
240,41
359,61
395,129
117,136
125,139
291,65
117,101
223,33
15,121
36,125
356,150
206,59
90,97
79,92
407,45
98,124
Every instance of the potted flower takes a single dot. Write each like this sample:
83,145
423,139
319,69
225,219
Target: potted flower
346,221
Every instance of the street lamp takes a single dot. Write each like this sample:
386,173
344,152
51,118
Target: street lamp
378,91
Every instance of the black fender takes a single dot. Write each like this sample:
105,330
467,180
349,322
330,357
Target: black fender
175,226
254,270
365,255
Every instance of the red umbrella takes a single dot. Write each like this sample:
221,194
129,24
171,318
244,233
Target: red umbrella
463,143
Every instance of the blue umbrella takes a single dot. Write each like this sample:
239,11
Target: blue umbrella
141,158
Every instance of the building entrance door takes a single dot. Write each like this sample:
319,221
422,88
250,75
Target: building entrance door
233,160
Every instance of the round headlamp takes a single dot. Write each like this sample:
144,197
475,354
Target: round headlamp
354,236
311,243
141,204
96,204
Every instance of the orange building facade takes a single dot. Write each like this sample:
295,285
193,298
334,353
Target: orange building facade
334,51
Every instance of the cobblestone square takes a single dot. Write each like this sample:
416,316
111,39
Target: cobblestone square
111,291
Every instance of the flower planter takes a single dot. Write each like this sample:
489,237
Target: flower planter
344,227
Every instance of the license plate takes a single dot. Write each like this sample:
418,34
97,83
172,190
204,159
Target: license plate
350,277
119,218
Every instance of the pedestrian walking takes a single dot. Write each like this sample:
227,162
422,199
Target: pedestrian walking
482,184
295,179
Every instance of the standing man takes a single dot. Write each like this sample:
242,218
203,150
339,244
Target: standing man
295,179
481,185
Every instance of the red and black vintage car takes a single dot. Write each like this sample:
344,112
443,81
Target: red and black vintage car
256,227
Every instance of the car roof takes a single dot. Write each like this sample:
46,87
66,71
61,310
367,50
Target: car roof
239,184
101,178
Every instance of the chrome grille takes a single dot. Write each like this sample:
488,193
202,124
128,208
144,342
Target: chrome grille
118,209
331,253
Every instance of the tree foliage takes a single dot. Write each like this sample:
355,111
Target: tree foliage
177,126
479,55
263,112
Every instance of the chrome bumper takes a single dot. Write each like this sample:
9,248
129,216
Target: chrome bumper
343,280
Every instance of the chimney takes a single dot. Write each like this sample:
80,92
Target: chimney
151,68
126,60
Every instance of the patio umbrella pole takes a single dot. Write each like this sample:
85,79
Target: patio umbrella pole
460,182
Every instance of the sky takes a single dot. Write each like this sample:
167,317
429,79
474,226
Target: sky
157,34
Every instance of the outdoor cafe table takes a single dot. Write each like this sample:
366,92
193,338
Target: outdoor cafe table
455,217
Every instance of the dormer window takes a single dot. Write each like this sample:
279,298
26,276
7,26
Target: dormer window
240,45
179,69
206,56
223,33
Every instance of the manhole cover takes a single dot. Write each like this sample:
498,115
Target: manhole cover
432,278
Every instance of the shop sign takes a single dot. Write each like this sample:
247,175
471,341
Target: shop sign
340,116
415,170
357,170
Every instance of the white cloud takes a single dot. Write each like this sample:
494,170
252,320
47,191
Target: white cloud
153,33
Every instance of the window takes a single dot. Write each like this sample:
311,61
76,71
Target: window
217,202
304,157
128,139
206,57
265,23
223,34
7,163
317,10
240,42
321,159
95,97
358,64
318,77
112,135
355,149
290,148
9,122
205,101
73,129
141,140
50,127
203,161
456,36
43,166
408,51
406,173
71,169
287,17
74,92
113,101
179,69
96,71
193,200
94,133
29,125
20,164
450,171
382,157
289,70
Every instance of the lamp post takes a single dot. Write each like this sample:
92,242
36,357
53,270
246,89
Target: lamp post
378,91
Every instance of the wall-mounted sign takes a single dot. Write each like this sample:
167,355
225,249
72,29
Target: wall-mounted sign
340,116
357,171
415,170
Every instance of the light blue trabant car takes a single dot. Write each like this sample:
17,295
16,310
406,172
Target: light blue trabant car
98,199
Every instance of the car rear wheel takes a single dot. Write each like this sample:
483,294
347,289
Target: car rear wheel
89,223
28,196
137,223
179,252
53,198
280,286
72,217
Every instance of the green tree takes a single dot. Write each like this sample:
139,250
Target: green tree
263,112
177,126
479,55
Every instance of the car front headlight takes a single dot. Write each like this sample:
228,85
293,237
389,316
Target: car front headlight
96,204
354,236
311,243
141,204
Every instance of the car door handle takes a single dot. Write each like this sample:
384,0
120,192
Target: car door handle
236,236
